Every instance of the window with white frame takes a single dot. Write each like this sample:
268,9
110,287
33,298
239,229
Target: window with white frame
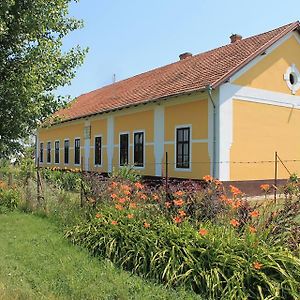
138,149
124,149
41,152
77,151
183,144
98,150
56,152
66,151
48,152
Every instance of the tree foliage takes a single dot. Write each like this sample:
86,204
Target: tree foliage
33,64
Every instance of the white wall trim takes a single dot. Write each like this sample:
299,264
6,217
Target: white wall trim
87,145
159,137
263,96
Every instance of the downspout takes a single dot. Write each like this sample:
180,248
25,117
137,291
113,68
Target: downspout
209,89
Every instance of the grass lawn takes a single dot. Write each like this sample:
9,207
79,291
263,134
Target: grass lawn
36,262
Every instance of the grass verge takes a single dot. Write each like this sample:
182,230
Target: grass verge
36,262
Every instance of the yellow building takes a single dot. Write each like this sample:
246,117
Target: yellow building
223,112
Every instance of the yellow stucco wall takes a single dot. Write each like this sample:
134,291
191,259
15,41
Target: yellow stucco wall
268,73
61,132
258,131
194,113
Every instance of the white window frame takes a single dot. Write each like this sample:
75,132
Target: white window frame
58,152
128,150
74,148
100,136
144,149
175,148
51,158
66,164
39,152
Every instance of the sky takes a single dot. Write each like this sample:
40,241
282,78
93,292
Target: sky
129,37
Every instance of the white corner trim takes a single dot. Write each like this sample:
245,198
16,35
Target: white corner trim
225,130
159,137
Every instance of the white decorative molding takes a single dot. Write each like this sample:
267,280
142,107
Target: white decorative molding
159,137
293,72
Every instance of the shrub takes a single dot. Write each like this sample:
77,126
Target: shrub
9,199
216,261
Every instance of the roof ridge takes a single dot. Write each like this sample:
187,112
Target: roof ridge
181,61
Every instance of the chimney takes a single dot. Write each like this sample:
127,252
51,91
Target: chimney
235,38
185,55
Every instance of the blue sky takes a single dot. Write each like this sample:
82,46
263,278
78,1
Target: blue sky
130,37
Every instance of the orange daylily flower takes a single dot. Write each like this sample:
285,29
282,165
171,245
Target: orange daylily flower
113,196
237,204
178,202
182,213
265,187
130,216
132,205
167,204
252,229
254,213
234,222
122,200
179,193
235,191
114,222
146,225
203,231
119,207
127,192
98,216
143,196
257,265
177,220
138,185
155,197
114,184
208,178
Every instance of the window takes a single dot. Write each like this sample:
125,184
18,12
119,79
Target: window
183,148
124,144
292,78
66,151
77,152
56,152
41,152
98,145
138,149
49,152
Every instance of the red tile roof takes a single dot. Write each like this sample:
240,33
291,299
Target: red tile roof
194,73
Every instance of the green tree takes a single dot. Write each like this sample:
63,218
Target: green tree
33,65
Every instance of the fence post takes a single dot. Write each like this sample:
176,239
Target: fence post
167,174
81,182
275,176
